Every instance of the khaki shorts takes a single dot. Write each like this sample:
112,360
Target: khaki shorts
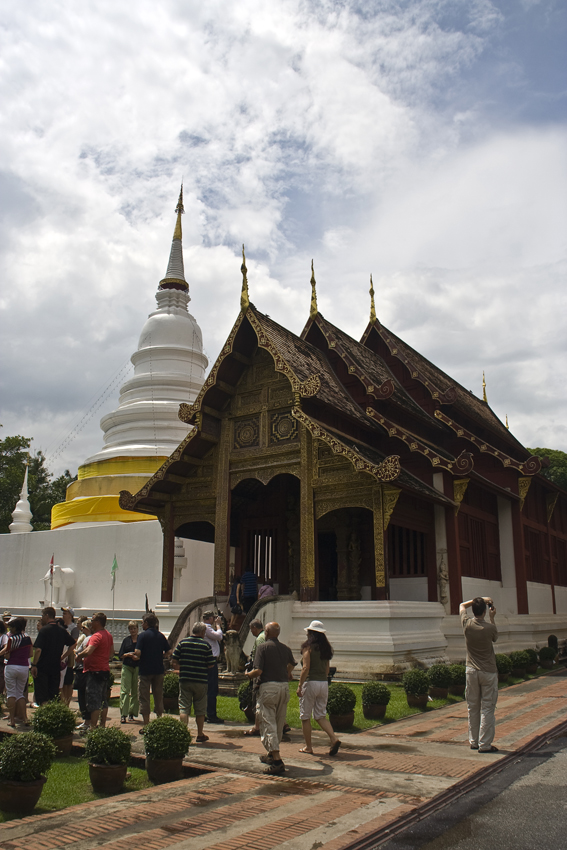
192,693
313,700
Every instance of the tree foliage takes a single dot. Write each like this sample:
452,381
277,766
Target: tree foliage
557,469
44,491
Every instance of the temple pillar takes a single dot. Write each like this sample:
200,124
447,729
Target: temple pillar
380,589
222,512
307,518
519,559
341,533
168,563
507,560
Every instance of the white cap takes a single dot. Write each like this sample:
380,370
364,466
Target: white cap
316,626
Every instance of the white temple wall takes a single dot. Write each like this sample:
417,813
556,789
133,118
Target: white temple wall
561,600
507,559
540,600
409,589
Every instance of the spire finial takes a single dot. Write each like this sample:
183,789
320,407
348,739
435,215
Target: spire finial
507,426
21,515
372,305
180,211
313,311
484,398
244,299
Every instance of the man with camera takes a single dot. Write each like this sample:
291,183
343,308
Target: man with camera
482,673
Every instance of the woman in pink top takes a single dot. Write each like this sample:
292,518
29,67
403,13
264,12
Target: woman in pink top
18,651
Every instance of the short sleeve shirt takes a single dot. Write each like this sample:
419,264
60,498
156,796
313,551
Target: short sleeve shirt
480,637
272,658
152,645
195,657
52,640
97,662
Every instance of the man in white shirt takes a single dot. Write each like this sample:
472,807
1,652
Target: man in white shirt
213,637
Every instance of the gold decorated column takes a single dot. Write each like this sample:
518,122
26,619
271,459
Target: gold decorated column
379,560
307,518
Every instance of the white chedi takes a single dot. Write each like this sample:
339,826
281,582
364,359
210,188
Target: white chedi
21,515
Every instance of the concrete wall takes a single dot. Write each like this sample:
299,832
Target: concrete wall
409,589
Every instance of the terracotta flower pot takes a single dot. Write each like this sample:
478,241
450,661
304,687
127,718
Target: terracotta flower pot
417,700
161,771
171,703
63,745
503,677
438,693
531,669
21,797
518,672
107,778
374,711
457,690
547,664
340,722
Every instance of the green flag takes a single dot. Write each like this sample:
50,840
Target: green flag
113,569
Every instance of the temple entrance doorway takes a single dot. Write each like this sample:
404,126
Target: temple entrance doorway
264,530
345,555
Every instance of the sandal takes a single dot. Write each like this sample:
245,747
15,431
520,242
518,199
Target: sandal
252,733
335,748
305,750
491,750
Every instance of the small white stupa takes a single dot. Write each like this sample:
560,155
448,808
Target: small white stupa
22,514
169,368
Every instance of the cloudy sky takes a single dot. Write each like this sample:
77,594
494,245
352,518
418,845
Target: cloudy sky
421,140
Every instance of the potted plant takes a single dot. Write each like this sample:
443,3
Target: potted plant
166,740
171,692
108,753
57,721
520,660
246,700
439,677
375,699
503,665
532,666
340,705
547,657
458,679
416,685
24,761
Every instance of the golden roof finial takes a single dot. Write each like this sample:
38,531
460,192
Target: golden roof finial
484,398
179,210
507,426
244,300
313,311
372,304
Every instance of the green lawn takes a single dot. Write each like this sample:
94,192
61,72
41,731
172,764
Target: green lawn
68,784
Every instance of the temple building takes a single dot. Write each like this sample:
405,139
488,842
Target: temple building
367,484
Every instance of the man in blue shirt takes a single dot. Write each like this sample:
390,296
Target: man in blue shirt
151,649
248,589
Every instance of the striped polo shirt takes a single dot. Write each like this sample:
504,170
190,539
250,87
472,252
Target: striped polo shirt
194,656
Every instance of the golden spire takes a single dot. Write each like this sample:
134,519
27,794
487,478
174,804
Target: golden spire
179,210
484,398
372,305
507,426
313,311
244,300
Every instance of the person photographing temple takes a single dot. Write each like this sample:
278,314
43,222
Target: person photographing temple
482,673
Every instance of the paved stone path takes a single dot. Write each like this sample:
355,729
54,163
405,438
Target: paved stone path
378,777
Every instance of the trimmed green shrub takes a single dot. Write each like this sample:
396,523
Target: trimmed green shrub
107,745
554,643
532,655
342,699
439,676
415,682
503,664
54,719
26,757
171,686
166,738
458,674
547,653
375,693
520,659
245,697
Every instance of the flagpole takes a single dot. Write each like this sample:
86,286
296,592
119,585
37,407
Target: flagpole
113,571
51,581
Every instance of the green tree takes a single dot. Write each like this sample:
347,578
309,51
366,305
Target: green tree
557,469
44,491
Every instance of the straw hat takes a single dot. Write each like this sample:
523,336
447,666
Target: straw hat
316,626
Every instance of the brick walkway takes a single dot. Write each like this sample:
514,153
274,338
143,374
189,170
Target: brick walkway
378,777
